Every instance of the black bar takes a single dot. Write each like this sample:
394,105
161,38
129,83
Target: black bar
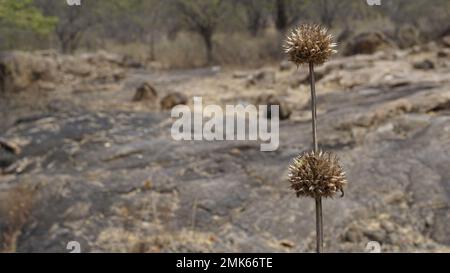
263,262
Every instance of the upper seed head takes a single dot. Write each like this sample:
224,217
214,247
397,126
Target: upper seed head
309,44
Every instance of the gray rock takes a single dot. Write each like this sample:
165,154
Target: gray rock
145,92
113,179
424,65
264,77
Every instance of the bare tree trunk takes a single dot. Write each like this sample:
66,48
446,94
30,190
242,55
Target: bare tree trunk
69,40
255,17
207,40
281,21
254,25
152,47
327,14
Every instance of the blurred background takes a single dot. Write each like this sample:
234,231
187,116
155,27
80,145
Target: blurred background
194,33
86,89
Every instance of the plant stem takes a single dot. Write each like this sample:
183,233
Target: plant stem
319,224
313,106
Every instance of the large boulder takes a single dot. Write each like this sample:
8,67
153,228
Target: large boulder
367,43
20,71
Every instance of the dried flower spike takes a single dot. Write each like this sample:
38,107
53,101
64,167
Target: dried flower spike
309,44
317,175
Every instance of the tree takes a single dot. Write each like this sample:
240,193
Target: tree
22,13
202,17
256,14
74,21
329,10
421,15
141,21
287,12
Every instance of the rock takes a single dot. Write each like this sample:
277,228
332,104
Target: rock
446,41
424,65
10,146
20,71
264,77
269,100
353,235
375,235
388,226
145,92
367,43
173,99
444,53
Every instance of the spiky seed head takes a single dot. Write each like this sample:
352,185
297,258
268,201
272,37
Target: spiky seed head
317,175
309,43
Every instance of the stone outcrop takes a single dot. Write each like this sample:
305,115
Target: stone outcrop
91,168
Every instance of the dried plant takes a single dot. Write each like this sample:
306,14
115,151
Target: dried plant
316,174
309,44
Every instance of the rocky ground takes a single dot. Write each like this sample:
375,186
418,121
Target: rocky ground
86,157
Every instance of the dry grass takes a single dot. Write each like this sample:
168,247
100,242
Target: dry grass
121,240
242,50
188,51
